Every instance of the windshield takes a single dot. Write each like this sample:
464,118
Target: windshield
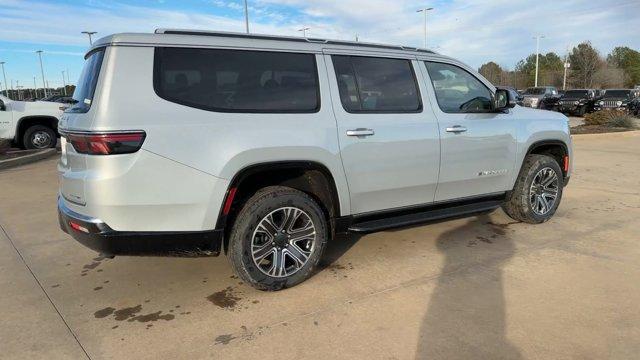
617,93
575,94
87,82
534,91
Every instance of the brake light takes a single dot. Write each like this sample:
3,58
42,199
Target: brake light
106,143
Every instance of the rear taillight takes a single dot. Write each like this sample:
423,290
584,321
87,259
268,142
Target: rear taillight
106,143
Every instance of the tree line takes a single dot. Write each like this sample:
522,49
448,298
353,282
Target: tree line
588,69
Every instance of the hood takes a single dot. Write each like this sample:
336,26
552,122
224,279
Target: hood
533,96
615,98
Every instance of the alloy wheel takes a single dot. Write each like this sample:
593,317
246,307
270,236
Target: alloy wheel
283,242
543,192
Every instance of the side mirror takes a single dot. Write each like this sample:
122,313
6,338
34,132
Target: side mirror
504,100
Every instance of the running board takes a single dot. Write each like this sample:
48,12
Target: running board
426,215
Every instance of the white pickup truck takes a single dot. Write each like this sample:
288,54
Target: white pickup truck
30,125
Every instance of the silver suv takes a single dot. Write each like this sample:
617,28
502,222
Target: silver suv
193,143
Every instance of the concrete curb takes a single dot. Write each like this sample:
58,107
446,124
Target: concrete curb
27,159
616,133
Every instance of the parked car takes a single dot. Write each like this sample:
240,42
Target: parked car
264,147
577,102
30,124
544,97
60,99
620,99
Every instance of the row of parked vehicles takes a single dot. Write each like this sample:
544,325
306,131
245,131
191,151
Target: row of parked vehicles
581,101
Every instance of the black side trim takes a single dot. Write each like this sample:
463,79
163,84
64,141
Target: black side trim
243,174
416,215
101,238
547,142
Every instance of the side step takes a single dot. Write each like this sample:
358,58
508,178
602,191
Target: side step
436,213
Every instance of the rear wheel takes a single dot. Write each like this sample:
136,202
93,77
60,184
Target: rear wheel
277,239
537,192
39,137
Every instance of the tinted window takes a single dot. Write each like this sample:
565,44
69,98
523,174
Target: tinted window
457,91
534,91
617,93
237,80
86,87
578,94
368,84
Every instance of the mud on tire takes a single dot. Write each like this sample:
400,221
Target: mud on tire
288,261
524,202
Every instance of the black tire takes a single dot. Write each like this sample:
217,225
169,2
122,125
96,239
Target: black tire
518,204
39,137
582,110
261,204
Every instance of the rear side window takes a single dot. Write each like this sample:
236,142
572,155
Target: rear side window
83,94
457,91
237,80
368,84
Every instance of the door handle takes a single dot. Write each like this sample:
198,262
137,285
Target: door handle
456,129
360,132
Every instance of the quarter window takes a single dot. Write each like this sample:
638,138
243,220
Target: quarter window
368,84
457,91
238,80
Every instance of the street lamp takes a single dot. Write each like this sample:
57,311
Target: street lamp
44,83
537,37
424,10
304,31
89,33
246,16
6,90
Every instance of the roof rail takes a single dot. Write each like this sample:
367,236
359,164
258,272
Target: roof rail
288,38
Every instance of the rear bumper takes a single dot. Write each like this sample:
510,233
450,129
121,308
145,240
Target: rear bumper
98,236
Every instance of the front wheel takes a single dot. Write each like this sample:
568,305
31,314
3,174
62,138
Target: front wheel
277,239
537,192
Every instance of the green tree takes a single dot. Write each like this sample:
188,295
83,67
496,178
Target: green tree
547,63
585,62
628,60
491,71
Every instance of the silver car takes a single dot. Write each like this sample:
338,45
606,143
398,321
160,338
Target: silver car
193,143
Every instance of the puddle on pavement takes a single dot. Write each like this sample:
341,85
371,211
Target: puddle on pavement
226,299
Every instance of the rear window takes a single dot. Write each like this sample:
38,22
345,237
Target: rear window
237,80
369,84
86,87
534,91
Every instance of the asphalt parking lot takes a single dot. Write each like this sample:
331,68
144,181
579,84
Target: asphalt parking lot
478,287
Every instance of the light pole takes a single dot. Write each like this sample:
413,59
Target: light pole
44,83
246,16
304,31
6,90
424,10
64,84
35,87
537,37
89,33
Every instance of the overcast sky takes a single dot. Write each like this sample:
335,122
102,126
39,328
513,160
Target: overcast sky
473,31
